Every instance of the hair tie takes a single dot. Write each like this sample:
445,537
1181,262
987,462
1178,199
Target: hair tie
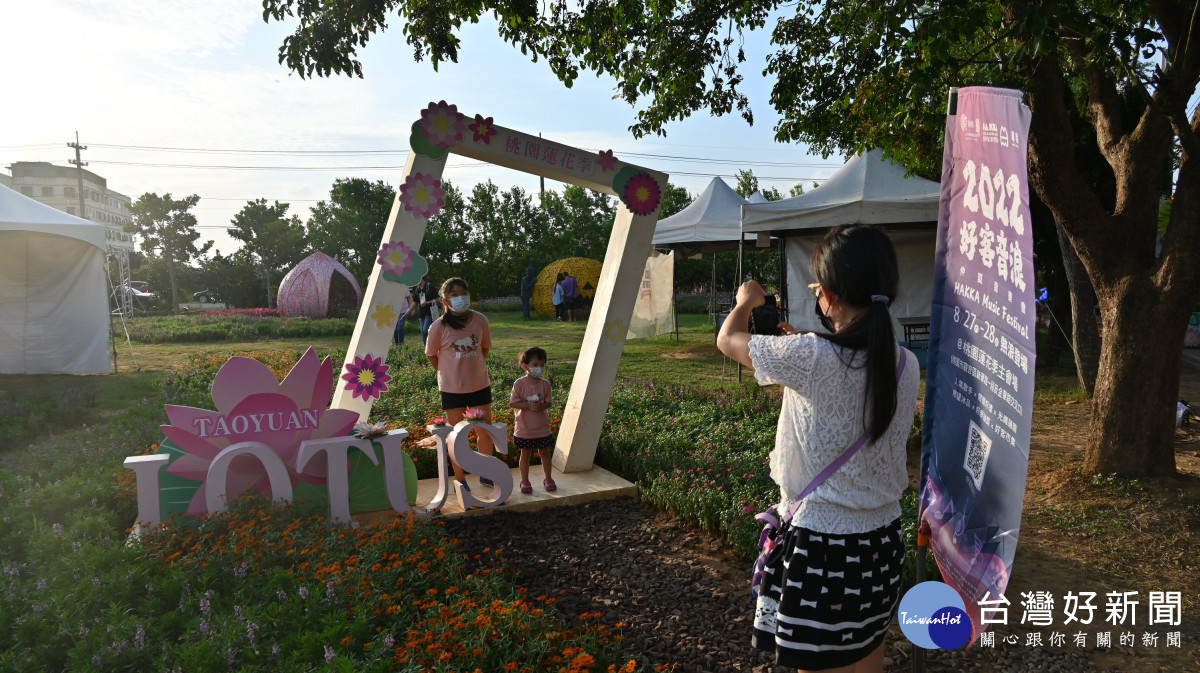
881,298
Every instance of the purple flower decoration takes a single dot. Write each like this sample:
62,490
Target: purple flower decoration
607,161
422,195
641,194
443,125
367,377
396,257
484,129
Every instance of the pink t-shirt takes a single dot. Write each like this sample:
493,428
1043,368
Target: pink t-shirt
461,367
531,424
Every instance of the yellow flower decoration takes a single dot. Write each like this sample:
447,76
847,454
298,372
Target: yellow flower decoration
384,315
615,331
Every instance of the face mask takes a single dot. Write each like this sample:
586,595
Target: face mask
460,303
536,372
825,321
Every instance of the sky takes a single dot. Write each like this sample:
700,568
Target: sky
148,83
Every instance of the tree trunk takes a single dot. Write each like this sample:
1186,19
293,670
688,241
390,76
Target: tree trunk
1085,333
1132,433
270,295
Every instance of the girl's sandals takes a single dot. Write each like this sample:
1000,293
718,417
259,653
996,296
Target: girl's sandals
549,485
526,487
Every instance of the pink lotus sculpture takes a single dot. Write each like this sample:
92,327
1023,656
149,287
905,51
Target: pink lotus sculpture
252,405
304,292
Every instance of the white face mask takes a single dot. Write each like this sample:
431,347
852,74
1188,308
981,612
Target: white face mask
536,372
460,303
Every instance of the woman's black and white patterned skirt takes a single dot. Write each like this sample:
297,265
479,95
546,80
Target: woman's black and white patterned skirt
827,600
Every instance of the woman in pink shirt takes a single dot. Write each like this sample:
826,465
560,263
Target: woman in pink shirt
457,347
531,398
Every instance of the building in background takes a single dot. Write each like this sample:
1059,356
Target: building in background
58,187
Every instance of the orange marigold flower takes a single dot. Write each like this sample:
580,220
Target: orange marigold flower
347,641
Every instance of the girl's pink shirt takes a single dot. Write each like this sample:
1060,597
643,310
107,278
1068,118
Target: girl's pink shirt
461,366
531,424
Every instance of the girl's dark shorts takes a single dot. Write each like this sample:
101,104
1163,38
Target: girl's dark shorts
539,444
460,400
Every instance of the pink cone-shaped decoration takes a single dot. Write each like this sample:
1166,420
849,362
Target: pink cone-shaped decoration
304,292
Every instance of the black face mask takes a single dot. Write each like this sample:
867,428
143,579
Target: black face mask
825,321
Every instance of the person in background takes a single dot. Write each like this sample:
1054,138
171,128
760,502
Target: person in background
424,306
527,283
398,334
532,400
556,297
457,348
830,588
570,294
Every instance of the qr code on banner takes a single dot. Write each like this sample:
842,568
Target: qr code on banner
979,446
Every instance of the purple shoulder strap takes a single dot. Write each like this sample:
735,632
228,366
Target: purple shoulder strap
846,455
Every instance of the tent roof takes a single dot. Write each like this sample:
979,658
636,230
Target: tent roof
867,189
21,213
711,223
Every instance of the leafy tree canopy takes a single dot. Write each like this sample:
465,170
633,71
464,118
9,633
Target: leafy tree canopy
168,227
349,226
274,238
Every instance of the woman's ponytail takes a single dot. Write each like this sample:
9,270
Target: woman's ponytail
857,263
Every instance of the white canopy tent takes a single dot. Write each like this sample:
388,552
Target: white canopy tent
868,189
711,223
53,290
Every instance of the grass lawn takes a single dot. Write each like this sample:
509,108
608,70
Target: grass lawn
680,424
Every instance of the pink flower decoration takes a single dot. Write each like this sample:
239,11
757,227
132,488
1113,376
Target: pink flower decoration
642,194
396,257
474,414
367,377
607,161
253,405
422,195
483,129
443,125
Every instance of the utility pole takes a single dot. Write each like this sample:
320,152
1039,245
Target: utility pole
79,164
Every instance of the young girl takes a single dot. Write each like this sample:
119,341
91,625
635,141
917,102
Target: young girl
531,398
556,298
457,348
830,588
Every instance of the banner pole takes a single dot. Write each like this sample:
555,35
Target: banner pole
922,527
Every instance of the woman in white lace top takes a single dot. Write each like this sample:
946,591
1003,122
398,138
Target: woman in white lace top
830,587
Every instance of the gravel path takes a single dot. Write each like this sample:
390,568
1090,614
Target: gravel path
682,594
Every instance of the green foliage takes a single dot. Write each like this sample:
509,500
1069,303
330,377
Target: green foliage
196,328
747,184
274,241
234,280
168,227
349,227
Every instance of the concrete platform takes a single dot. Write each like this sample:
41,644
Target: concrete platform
574,488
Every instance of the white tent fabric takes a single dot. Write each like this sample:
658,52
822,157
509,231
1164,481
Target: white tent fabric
53,290
709,224
867,189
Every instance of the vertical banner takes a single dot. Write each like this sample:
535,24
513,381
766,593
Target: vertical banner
979,384
654,311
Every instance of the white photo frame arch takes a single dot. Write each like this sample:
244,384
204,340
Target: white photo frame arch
442,131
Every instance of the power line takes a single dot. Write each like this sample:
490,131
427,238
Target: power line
404,152
151,148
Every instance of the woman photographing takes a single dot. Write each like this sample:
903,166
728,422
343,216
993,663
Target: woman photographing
829,589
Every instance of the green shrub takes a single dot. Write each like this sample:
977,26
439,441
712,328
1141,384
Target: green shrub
231,327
